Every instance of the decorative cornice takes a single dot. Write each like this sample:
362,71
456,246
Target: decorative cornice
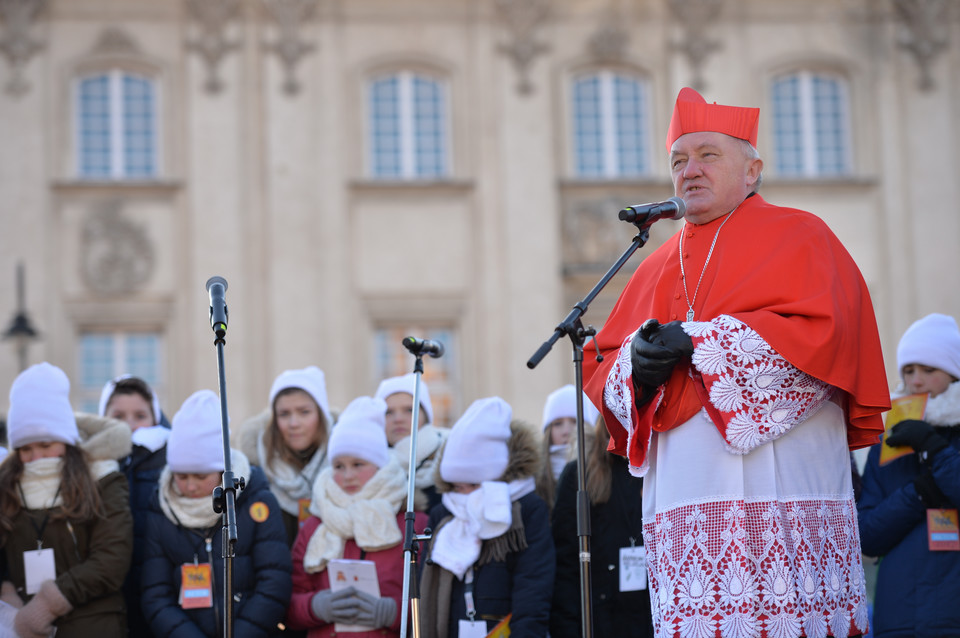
16,44
289,15
522,18
923,32
115,41
212,17
694,16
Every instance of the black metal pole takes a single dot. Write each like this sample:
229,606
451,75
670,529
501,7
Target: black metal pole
573,327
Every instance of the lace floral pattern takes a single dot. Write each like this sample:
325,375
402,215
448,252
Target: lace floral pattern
618,397
760,394
736,569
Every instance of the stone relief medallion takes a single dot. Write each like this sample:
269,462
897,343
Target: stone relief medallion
116,257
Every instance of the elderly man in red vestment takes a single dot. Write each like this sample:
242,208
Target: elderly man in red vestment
742,362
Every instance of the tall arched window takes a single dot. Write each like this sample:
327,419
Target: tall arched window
409,124
811,125
117,126
611,124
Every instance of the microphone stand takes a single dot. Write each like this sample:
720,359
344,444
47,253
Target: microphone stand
573,327
224,496
411,540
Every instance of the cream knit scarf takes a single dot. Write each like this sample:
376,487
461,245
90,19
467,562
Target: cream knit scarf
369,516
287,483
194,513
429,440
40,483
483,514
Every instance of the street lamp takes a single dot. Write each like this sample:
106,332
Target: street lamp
21,330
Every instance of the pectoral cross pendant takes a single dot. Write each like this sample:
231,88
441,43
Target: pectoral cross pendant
690,315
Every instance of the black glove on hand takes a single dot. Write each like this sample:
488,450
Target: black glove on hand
652,362
919,435
929,492
671,336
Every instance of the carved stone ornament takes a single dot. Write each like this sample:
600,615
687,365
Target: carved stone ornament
116,42
923,33
289,15
16,45
522,18
591,232
212,17
116,255
609,44
694,17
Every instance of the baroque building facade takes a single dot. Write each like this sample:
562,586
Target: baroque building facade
364,170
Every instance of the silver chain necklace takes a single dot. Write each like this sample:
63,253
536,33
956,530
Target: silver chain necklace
683,275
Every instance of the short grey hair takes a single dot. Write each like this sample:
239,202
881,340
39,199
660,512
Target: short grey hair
750,152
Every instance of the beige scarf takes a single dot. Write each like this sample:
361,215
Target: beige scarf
429,440
369,516
40,483
195,513
288,483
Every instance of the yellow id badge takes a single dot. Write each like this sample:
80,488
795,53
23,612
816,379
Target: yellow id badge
195,586
943,530
303,509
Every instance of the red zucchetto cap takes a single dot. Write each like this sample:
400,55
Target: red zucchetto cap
692,114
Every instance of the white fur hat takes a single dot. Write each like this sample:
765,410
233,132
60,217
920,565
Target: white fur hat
311,380
406,383
476,449
562,403
931,341
107,393
40,408
196,436
360,432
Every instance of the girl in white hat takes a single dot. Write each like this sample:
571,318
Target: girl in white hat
357,512
289,440
182,584
131,400
397,393
903,500
491,559
65,522
560,435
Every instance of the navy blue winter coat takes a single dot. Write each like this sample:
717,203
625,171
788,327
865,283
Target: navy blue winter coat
261,570
917,589
142,469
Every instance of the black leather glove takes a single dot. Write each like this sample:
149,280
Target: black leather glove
928,490
671,336
919,435
652,363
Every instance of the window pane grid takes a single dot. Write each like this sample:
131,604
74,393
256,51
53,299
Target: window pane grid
610,119
408,127
117,126
811,125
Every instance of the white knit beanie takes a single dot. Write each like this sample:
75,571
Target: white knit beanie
196,436
562,403
40,408
931,341
107,393
406,383
360,432
476,449
311,380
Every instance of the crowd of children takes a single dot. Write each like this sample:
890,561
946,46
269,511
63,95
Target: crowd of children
108,528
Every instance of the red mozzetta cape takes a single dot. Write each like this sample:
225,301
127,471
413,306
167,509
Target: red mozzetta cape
782,272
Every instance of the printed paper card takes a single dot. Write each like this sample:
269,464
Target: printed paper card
912,406
359,574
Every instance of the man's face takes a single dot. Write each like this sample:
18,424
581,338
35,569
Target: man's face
712,173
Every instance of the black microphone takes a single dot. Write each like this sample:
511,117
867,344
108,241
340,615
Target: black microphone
217,288
420,347
646,214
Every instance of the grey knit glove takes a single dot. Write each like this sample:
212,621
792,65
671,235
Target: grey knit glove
335,606
375,611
